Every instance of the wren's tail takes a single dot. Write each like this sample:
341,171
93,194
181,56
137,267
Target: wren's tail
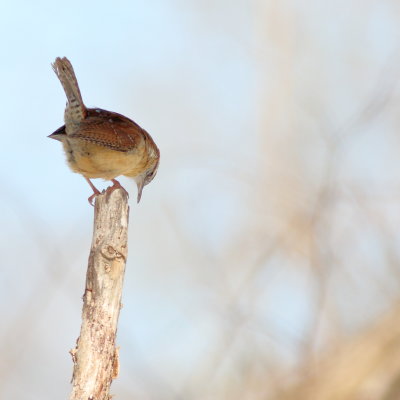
75,110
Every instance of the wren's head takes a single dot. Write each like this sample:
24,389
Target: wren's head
145,178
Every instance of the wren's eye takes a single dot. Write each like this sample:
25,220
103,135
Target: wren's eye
150,175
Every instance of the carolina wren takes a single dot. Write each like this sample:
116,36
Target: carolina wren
100,143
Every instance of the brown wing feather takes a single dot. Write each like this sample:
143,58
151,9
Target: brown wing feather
110,130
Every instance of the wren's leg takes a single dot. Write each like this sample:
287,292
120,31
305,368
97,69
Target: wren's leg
95,191
116,185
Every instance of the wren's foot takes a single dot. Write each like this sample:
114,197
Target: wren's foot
93,196
116,185
96,191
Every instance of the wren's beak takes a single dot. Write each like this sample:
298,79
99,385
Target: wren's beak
140,185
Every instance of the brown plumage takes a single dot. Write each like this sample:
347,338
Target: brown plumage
100,143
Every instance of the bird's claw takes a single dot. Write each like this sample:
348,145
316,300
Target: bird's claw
115,185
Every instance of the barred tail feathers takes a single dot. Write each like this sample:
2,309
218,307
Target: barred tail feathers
75,110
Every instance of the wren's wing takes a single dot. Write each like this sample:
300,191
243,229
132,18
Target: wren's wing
110,130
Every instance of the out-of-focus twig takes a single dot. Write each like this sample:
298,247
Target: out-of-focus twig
366,367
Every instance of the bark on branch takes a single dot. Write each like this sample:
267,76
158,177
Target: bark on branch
95,356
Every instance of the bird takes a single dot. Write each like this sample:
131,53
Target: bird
100,143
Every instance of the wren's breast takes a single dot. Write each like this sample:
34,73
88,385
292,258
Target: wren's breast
96,161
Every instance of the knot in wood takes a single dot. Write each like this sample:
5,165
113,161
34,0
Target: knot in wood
110,253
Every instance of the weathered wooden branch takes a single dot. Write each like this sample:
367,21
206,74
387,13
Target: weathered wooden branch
95,356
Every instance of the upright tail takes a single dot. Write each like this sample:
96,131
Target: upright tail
75,110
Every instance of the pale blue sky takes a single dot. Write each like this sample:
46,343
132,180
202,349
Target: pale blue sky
219,90
157,63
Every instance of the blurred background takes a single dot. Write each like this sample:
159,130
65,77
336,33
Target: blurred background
264,258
